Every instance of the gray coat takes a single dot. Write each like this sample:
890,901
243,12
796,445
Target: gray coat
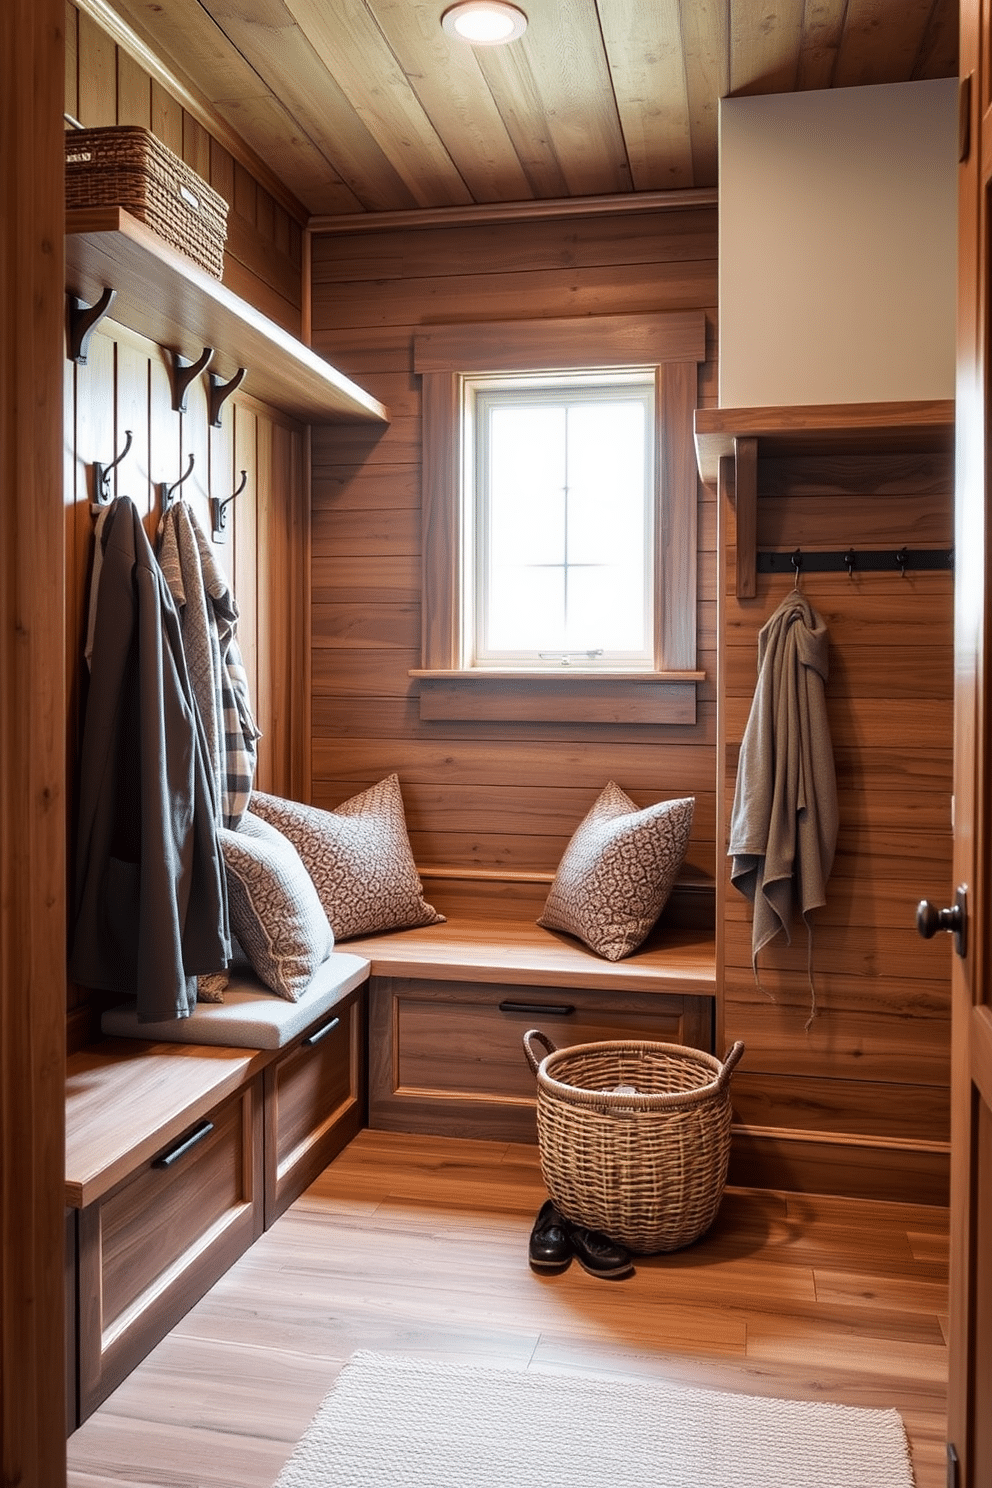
151,906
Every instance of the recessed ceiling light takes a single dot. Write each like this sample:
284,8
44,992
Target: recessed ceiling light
484,22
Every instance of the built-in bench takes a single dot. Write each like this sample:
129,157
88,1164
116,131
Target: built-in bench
449,1004
185,1139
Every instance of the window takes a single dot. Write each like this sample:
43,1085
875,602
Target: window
575,435
558,516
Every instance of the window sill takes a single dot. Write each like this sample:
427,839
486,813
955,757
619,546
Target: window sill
566,695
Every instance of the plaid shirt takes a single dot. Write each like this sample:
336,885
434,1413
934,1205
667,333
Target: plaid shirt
209,617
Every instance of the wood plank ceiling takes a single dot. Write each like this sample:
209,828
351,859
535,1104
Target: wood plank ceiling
368,106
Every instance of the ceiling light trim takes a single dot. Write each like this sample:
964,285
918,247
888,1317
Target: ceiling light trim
484,22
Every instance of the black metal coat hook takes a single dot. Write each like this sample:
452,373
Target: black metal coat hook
797,564
168,491
101,473
218,509
184,372
220,391
83,321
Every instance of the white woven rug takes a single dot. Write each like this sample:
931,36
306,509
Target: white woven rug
394,1422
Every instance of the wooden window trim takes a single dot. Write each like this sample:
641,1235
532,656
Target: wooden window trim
674,343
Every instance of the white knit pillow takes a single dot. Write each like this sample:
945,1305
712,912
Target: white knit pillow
274,908
617,872
359,858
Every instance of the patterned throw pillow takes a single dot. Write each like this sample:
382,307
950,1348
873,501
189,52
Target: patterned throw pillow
274,908
617,872
359,857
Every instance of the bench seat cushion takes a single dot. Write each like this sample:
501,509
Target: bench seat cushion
250,1017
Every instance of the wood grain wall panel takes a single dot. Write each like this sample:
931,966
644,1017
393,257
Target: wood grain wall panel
105,86
642,237
134,92
625,289
874,1060
477,794
32,707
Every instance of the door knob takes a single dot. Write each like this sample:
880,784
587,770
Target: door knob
930,919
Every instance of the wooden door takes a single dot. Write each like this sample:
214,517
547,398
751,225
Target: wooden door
970,1385
32,745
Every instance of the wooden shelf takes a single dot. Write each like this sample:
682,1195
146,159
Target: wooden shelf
824,429
744,435
163,295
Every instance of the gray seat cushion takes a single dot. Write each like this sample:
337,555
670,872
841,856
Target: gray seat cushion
250,1017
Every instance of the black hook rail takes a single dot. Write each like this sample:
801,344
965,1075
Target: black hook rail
865,560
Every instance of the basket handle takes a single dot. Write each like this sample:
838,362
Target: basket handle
732,1058
542,1038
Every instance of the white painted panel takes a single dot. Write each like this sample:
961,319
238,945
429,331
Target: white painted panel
838,258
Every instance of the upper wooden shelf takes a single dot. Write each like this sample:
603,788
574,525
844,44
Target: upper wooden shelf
163,295
824,429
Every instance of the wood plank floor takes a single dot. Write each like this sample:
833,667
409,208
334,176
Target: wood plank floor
419,1245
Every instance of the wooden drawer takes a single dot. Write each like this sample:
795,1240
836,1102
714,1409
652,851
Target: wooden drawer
314,1103
151,1246
447,1057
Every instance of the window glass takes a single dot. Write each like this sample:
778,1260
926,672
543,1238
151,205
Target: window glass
559,521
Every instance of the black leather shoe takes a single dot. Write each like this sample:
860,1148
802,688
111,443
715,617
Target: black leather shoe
550,1248
598,1254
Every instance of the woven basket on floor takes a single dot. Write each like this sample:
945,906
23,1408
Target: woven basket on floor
129,167
634,1137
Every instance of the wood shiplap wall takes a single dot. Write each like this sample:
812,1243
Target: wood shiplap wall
126,384
858,1103
104,85
483,796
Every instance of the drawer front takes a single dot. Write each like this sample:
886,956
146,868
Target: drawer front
448,1057
314,1103
152,1247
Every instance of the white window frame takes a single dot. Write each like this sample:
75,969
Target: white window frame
674,343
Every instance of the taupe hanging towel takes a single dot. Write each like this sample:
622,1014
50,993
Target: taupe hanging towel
783,829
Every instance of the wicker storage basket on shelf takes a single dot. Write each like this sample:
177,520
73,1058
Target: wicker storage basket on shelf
129,167
634,1137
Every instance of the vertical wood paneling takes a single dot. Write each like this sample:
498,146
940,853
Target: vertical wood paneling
243,538
134,92
32,744
373,528
97,75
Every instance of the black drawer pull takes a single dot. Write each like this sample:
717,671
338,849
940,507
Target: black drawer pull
539,1009
181,1148
315,1038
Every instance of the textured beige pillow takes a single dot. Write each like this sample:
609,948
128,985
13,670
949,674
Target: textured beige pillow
359,858
617,872
274,908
